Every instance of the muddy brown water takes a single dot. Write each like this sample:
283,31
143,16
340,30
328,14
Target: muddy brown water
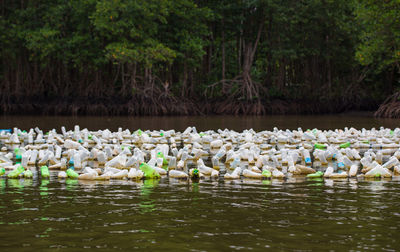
238,123
208,215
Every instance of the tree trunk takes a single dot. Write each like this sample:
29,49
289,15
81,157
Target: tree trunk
185,77
223,48
248,58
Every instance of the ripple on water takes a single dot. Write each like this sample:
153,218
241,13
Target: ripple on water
203,216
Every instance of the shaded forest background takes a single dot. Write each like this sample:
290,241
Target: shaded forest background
163,57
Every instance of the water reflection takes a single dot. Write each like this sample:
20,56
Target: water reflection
212,215
376,186
2,186
16,183
43,188
71,184
92,184
353,183
316,182
147,204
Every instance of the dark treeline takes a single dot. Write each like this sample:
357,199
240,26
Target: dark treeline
160,57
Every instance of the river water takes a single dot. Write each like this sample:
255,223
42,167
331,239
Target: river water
209,215
238,123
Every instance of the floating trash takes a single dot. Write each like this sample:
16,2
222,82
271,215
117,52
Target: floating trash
222,154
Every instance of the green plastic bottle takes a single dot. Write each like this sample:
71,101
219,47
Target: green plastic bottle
266,174
149,172
138,132
320,146
72,174
2,171
18,156
17,151
195,173
18,159
16,172
161,155
44,171
345,145
317,174
28,174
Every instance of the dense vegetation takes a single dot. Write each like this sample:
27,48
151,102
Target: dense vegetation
197,56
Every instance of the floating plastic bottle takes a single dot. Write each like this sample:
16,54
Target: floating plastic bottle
164,160
195,173
28,174
266,174
251,174
135,174
215,162
317,174
172,163
306,155
216,144
177,174
353,170
149,172
72,174
16,172
62,175
340,161
278,174
345,145
236,162
44,171
396,170
301,170
120,174
320,146
309,136
234,175
328,172
87,176
379,157
393,161
347,162
378,171
321,156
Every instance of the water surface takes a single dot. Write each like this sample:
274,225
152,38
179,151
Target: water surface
209,215
174,215
237,123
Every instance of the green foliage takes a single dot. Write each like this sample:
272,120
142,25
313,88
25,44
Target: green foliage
182,48
380,37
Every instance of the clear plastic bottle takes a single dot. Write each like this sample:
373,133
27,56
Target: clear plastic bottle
379,157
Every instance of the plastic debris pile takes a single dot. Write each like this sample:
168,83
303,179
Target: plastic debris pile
222,154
